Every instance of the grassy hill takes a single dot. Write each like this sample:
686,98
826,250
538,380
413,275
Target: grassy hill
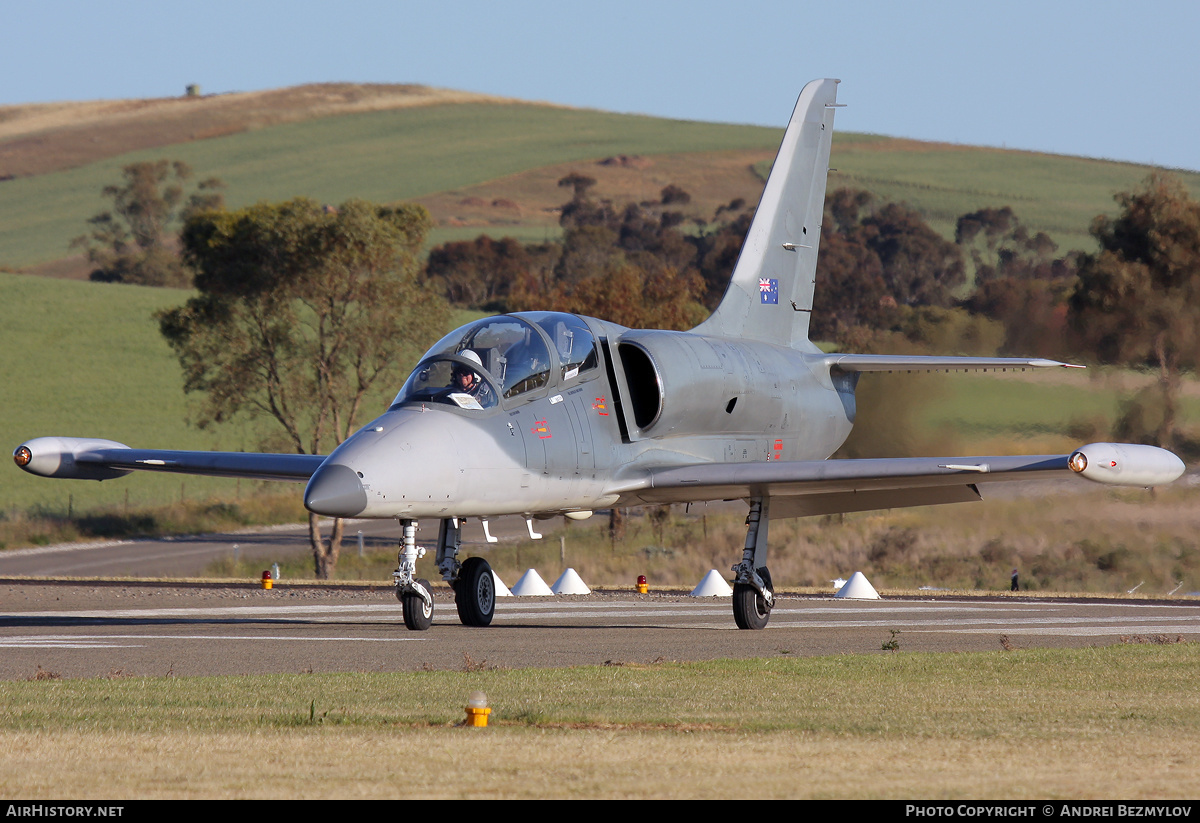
1053,193
38,138
86,359
484,164
381,156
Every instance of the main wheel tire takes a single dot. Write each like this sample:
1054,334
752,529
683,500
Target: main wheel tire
475,593
750,609
418,615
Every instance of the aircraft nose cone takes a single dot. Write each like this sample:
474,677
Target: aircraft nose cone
335,491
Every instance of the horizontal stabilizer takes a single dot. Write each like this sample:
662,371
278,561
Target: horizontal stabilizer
894,363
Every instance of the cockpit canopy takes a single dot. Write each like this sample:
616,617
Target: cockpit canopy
498,358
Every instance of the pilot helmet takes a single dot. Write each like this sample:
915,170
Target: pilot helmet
460,368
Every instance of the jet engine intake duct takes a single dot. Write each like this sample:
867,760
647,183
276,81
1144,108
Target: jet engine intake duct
679,385
644,382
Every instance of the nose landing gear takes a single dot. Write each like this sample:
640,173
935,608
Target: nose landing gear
414,594
418,606
472,581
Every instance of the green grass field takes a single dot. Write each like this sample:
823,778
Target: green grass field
86,359
978,406
380,156
1121,721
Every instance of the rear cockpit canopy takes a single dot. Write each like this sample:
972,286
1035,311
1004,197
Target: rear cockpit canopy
571,339
509,356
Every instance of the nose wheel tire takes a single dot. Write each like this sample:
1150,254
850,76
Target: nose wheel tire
475,592
418,615
750,609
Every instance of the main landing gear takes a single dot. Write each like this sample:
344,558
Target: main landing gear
475,592
475,588
753,592
472,581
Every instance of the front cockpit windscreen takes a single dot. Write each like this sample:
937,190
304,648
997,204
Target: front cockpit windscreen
475,365
458,381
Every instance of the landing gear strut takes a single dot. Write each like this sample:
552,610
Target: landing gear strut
414,594
472,581
753,592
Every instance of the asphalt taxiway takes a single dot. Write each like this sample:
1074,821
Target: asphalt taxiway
137,623
152,628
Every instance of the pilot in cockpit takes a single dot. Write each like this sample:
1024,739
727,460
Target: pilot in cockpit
467,381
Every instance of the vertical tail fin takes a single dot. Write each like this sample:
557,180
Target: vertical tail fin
771,292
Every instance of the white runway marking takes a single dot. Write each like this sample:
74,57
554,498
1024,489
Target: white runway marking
256,612
955,616
76,643
866,613
102,641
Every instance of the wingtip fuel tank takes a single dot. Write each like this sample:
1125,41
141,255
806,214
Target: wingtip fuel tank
57,457
1126,464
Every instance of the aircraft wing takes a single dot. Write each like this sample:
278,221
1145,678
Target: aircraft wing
811,487
92,459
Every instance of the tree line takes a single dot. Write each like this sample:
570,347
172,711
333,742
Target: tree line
886,280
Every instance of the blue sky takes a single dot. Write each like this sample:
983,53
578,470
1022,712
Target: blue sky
1098,79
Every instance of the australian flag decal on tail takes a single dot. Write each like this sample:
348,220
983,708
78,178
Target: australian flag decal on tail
768,291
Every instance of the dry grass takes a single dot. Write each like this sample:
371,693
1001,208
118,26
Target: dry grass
1123,721
44,528
47,137
504,763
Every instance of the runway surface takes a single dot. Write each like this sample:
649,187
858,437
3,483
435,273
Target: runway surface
151,629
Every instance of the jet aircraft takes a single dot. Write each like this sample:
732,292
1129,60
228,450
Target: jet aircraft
540,414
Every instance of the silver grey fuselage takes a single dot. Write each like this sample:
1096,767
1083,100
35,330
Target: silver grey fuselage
654,399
